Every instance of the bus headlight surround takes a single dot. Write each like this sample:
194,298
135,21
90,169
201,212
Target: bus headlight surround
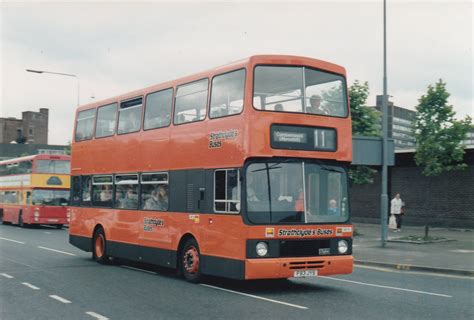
261,248
342,246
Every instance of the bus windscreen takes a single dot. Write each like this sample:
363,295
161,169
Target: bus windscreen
296,192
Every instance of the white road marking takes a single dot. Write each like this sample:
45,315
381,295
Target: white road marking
6,275
256,297
47,232
138,269
96,315
58,251
59,299
29,285
418,273
388,287
462,251
16,241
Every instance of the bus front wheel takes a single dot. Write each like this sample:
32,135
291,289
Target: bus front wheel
99,246
190,261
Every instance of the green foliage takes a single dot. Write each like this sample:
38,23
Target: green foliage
364,119
364,123
361,174
438,134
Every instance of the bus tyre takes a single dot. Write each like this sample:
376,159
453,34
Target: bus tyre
190,261
59,226
99,246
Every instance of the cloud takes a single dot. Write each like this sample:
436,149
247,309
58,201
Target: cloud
118,48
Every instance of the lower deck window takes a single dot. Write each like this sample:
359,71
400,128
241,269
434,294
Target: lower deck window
227,191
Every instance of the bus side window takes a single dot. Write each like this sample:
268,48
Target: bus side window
158,109
85,125
154,195
227,94
105,124
130,116
75,190
102,191
190,102
126,191
86,190
28,197
227,191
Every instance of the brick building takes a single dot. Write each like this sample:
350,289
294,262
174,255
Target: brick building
32,128
445,201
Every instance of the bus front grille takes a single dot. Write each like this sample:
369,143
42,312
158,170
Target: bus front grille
301,265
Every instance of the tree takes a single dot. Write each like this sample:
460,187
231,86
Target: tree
438,134
364,119
364,123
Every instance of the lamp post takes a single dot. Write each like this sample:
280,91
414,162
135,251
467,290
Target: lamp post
61,74
384,196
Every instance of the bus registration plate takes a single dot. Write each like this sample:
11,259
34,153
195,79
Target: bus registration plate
305,273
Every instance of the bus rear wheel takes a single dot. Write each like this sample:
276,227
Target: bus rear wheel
59,226
99,246
190,261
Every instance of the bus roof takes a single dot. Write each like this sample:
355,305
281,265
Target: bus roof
37,157
250,61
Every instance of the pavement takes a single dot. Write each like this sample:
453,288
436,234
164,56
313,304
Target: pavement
451,257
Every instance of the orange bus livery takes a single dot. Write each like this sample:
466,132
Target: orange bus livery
238,172
35,190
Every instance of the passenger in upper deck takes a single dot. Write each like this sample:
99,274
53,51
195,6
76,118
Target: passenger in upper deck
279,107
315,106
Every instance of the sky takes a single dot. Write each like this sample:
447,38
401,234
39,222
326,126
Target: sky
114,48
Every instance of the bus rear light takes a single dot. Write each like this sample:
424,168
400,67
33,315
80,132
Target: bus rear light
36,214
36,219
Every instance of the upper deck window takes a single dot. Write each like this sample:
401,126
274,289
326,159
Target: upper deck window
105,125
158,109
227,94
299,89
53,166
130,115
191,100
85,124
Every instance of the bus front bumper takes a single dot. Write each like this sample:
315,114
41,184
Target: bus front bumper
286,267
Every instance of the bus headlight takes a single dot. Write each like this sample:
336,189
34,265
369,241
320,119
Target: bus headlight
262,249
342,246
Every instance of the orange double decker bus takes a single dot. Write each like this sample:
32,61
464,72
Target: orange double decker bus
35,190
238,172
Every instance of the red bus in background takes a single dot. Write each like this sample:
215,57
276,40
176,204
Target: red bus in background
35,190
238,172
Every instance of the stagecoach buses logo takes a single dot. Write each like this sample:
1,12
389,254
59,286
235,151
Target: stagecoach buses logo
216,139
150,223
304,232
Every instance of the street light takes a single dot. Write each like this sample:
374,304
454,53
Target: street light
384,196
60,74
